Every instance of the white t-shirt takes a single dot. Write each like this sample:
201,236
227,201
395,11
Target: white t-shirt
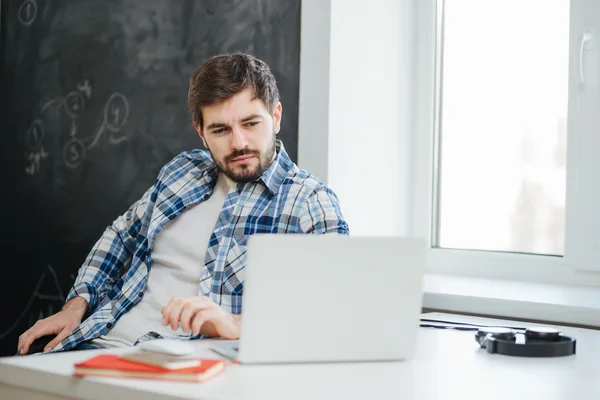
177,260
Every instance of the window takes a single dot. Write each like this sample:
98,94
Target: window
502,113
507,138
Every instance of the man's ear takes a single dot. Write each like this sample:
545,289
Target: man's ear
199,130
277,111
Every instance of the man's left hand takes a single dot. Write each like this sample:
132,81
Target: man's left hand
201,315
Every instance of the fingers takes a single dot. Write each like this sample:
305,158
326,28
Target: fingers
166,310
174,313
200,318
181,311
38,330
21,342
61,335
188,313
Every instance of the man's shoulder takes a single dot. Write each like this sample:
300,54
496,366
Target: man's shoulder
302,178
189,160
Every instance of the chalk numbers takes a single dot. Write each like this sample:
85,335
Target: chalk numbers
74,104
35,135
27,12
33,161
115,113
36,153
74,153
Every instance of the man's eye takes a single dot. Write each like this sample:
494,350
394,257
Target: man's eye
252,123
219,131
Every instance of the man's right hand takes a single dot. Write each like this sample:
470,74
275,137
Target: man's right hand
60,324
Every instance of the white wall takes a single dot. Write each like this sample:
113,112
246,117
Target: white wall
356,107
313,119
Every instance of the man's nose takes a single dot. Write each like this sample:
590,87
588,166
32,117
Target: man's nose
238,139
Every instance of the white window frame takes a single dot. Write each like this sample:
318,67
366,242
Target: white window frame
581,262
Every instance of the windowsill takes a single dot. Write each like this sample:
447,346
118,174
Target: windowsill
562,304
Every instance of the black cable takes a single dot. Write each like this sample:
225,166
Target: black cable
462,326
458,328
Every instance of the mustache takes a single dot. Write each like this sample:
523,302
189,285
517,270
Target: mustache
240,153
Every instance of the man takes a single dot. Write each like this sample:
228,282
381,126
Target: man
173,264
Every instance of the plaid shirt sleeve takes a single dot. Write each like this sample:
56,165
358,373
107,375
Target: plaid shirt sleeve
322,214
111,254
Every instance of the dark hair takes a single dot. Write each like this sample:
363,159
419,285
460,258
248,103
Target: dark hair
222,76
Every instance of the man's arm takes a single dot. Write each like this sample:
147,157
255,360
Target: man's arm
46,333
77,305
110,255
108,258
322,214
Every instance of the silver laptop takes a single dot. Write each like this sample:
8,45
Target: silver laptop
329,298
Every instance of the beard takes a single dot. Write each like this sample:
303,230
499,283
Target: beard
246,173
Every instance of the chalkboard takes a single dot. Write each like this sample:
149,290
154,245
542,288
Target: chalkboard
93,104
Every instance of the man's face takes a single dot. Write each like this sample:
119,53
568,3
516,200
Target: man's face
240,135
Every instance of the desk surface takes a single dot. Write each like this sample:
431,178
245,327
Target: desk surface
447,364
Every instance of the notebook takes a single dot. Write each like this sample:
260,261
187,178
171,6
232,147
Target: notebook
112,365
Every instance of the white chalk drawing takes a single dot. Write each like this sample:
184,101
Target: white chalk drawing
74,104
73,129
27,12
115,113
74,153
85,88
33,160
37,294
113,140
35,135
52,103
97,136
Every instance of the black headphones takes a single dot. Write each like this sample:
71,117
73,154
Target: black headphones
513,341
534,342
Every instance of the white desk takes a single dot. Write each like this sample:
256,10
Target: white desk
447,365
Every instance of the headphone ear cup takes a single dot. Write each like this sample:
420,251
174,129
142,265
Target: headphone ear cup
484,334
543,333
505,336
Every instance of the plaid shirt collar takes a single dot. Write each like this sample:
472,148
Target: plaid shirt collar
272,178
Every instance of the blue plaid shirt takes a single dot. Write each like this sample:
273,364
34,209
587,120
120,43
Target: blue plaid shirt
285,199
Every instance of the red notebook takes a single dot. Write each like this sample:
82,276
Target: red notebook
111,365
